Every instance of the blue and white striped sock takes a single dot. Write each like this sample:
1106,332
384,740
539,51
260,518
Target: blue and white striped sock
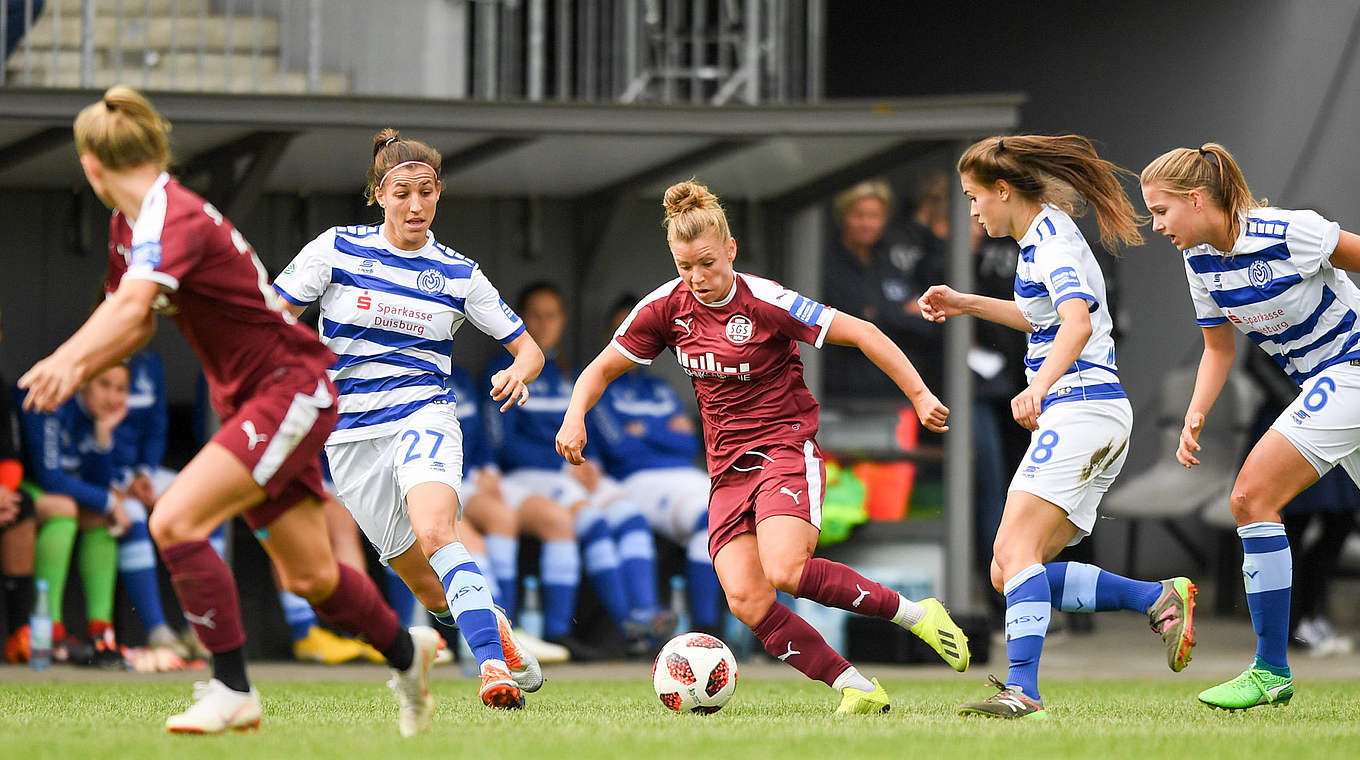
560,568
1268,572
705,593
469,601
602,563
637,557
137,571
1027,613
502,553
1078,587
297,612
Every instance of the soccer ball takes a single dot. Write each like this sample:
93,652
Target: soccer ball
695,673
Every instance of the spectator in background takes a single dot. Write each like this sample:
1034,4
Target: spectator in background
620,556
16,25
650,444
17,532
868,277
74,462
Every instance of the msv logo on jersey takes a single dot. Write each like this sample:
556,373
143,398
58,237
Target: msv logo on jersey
739,329
1261,274
431,281
1065,278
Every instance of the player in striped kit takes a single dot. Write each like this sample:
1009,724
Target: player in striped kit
392,298
170,252
737,337
1279,276
1080,417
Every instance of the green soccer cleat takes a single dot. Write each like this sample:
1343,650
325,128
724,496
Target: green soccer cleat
1173,616
1256,686
943,635
854,701
1009,702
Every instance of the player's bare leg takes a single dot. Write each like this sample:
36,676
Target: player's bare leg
214,487
786,547
433,507
786,636
348,600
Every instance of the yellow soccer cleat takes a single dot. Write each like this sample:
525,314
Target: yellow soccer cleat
943,635
320,645
854,701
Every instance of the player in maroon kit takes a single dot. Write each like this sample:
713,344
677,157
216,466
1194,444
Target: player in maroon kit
737,337
171,252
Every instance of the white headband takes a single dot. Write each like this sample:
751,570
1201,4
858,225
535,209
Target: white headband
383,181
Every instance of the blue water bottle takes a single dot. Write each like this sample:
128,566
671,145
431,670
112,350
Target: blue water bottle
531,611
679,605
40,631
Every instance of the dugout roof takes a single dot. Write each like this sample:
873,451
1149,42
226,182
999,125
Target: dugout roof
548,149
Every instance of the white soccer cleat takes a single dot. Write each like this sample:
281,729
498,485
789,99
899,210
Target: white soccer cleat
523,664
217,708
544,651
415,705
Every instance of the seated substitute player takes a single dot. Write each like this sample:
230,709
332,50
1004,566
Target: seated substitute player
169,251
737,338
619,550
1280,276
74,462
1074,405
392,298
17,531
649,446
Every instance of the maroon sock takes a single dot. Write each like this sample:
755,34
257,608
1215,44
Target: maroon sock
356,608
835,585
791,639
207,592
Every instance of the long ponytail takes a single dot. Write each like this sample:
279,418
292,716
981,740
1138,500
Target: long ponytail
1063,170
1213,171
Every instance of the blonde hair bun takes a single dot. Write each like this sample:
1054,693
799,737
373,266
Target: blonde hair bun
693,210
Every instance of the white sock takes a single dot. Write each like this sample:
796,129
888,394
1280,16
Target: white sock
909,613
852,679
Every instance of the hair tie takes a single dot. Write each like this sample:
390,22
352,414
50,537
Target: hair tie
1000,144
110,106
1204,153
390,140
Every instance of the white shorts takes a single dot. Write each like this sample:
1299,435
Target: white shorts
1323,422
372,476
1074,457
554,485
673,499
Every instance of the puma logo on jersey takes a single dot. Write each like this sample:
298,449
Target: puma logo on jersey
685,324
792,494
253,438
205,620
785,656
860,598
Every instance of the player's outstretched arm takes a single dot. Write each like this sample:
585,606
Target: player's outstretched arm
1073,332
512,383
940,302
605,369
848,330
122,324
1220,349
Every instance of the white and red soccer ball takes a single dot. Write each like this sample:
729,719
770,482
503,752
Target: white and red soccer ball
695,673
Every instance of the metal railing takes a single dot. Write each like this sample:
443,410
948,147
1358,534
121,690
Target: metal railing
662,51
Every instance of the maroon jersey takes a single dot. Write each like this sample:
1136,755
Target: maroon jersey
741,355
218,292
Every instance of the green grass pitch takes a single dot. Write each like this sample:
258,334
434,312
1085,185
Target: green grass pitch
768,719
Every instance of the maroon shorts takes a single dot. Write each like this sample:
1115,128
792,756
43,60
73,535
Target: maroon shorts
780,479
278,434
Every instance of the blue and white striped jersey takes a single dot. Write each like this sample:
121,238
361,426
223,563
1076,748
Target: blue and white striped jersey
1279,288
1056,264
390,315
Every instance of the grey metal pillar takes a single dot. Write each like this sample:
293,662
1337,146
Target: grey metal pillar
538,45
958,396
802,271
